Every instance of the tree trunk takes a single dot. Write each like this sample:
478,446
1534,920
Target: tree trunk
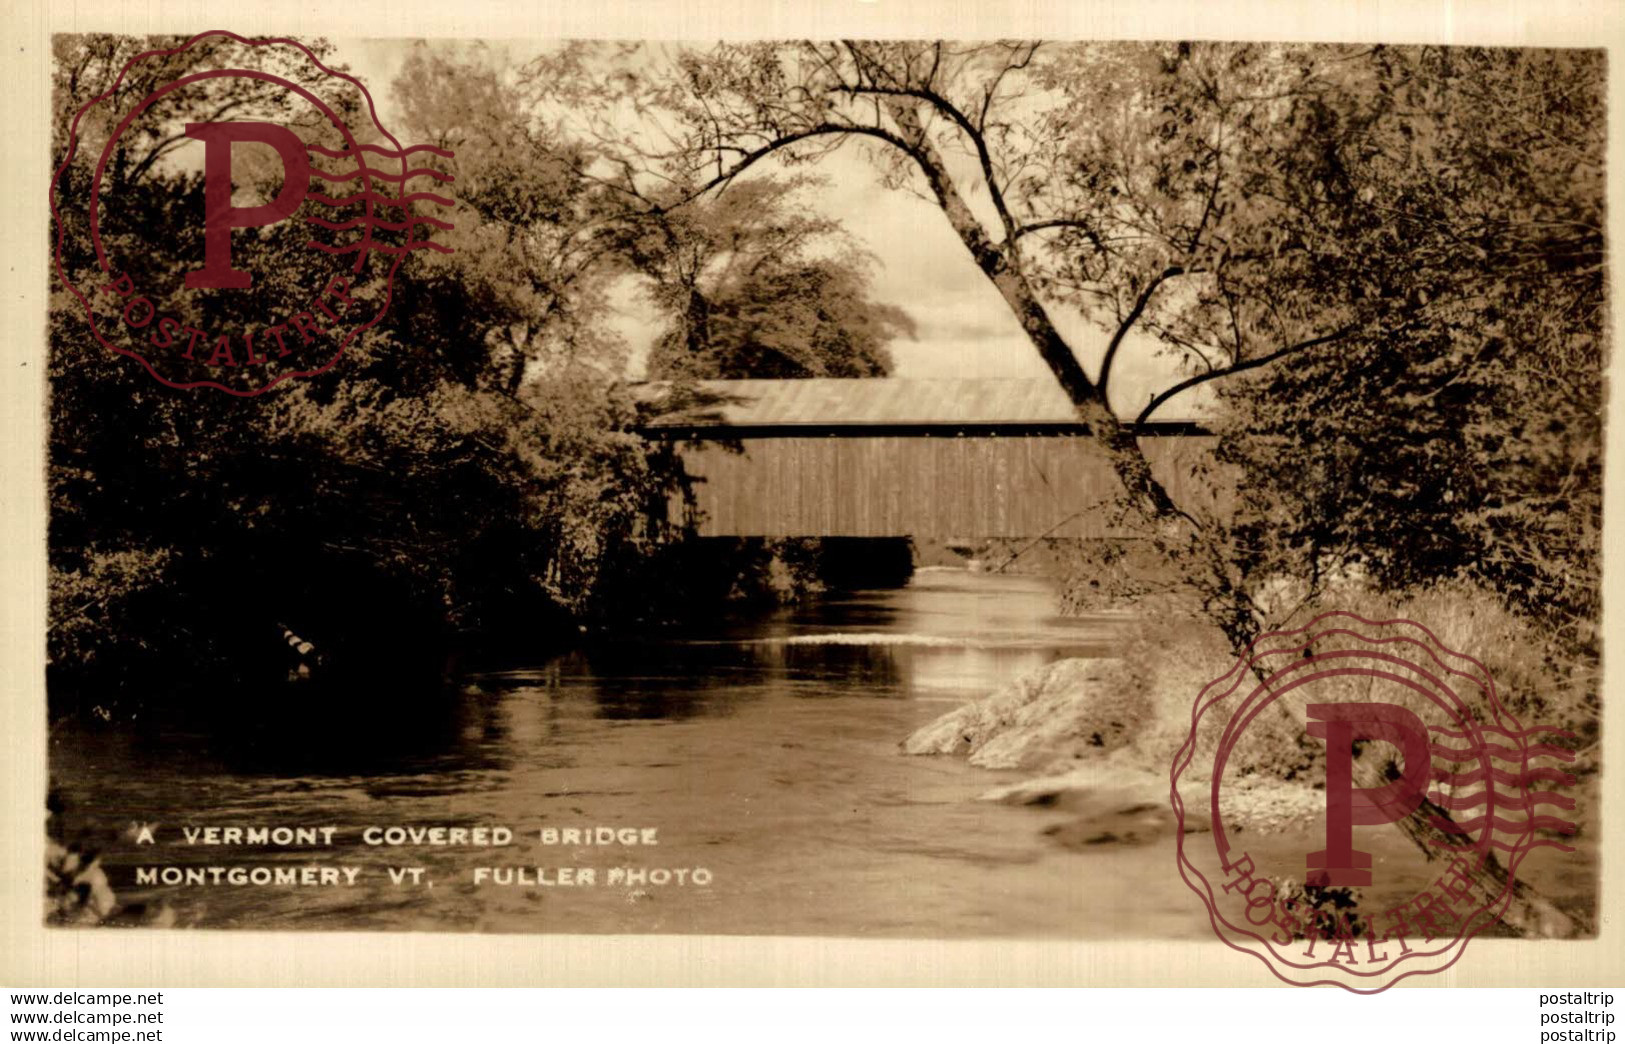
1528,913
1001,265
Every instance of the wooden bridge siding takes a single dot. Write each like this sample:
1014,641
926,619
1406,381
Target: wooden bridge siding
911,485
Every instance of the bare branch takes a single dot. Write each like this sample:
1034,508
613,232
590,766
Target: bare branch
1128,322
1240,367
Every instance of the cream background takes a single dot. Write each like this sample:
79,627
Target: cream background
32,956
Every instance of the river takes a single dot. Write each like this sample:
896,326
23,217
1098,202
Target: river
764,754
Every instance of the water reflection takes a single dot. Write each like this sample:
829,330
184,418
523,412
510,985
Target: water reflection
948,632
765,751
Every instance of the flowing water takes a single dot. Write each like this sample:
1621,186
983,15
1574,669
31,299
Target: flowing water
763,757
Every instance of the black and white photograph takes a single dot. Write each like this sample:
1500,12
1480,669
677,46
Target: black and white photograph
930,489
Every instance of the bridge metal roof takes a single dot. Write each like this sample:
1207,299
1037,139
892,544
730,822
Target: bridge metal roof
886,403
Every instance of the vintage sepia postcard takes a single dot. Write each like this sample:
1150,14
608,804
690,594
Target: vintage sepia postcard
856,495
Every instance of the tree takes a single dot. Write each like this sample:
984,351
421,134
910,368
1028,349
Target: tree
1243,203
756,286
981,130
1465,438
87,65
1328,232
414,493
533,255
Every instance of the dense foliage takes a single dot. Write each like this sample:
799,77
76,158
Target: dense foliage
756,286
1460,431
1392,274
470,472
1387,262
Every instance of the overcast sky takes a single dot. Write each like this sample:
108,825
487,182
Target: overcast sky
964,328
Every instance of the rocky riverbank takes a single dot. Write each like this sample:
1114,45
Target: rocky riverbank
1097,739
1088,728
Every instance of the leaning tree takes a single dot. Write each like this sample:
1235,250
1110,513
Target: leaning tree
1286,219
1254,209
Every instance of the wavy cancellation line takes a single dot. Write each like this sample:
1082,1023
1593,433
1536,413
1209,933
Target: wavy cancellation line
393,226
1510,734
1501,776
1496,750
415,172
1522,802
372,244
1524,844
1506,826
373,197
381,151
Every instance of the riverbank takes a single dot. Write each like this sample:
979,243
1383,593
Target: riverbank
1079,727
336,628
763,750
1096,739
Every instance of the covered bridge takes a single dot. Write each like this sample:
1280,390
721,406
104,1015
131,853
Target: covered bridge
887,457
